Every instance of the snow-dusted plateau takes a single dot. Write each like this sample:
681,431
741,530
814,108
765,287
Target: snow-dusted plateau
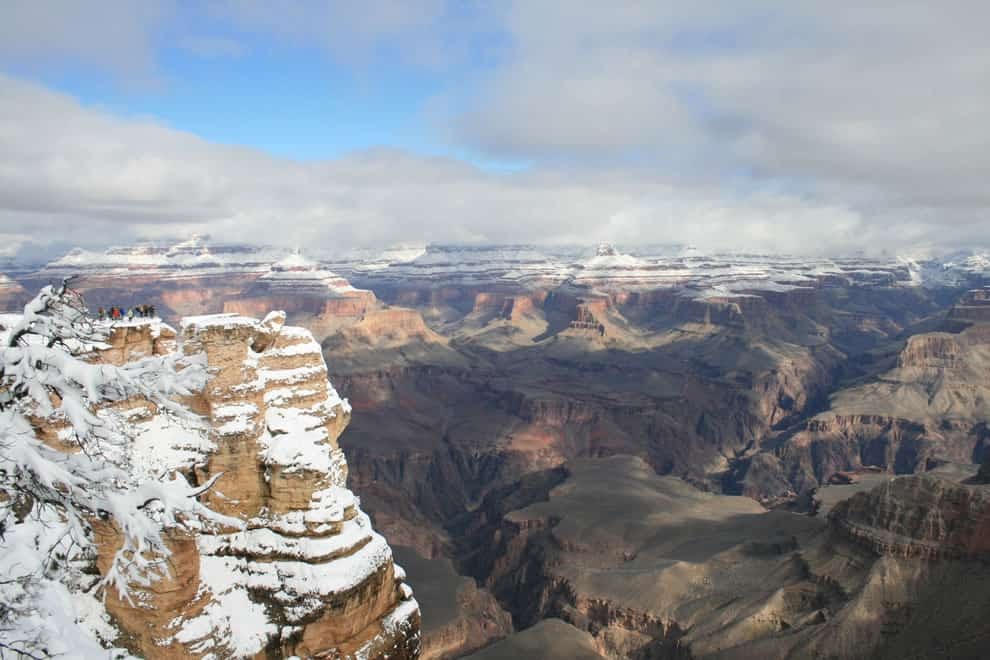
607,266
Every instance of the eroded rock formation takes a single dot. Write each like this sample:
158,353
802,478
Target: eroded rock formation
931,407
302,288
304,573
922,516
458,615
973,307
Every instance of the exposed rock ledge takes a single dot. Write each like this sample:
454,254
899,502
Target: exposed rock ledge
918,517
307,575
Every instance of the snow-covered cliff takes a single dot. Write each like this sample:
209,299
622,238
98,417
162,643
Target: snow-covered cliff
290,566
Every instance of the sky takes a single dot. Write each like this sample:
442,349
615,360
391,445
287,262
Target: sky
749,125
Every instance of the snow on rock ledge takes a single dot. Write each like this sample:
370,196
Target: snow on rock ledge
306,575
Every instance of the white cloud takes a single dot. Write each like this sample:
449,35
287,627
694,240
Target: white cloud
880,107
788,126
70,171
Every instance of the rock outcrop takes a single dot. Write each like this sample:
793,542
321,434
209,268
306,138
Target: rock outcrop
132,341
923,517
974,307
936,350
301,287
304,573
391,327
506,306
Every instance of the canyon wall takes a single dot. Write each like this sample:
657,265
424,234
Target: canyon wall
931,407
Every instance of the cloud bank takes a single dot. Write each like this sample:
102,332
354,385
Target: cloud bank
765,126
85,175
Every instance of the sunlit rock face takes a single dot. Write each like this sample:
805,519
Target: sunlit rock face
307,575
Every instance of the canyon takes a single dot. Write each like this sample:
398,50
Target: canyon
650,453
651,567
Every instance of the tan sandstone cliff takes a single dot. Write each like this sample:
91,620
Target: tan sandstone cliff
306,575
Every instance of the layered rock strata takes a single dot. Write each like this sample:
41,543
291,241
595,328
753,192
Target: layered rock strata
920,516
932,407
301,287
304,573
973,307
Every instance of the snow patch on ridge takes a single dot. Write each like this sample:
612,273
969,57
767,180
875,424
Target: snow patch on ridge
164,443
231,618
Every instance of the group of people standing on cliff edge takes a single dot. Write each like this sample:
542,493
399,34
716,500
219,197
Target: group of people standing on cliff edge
120,313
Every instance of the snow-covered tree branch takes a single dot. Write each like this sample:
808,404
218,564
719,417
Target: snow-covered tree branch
50,496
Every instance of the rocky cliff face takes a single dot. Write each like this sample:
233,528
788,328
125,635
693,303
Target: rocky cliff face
973,307
458,616
301,288
935,350
922,516
391,327
506,306
305,574
931,407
